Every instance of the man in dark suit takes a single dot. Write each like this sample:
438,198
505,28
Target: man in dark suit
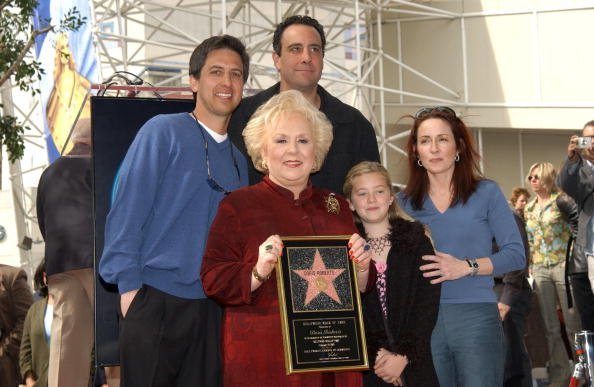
299,43
576,178
15,300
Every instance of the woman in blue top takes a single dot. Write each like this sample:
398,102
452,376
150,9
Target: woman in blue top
465,213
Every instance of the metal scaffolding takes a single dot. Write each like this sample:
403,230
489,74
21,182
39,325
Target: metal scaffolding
147,37
153,39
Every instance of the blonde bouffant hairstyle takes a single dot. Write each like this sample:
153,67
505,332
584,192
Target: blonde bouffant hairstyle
267,116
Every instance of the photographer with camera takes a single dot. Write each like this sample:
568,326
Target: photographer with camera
576,178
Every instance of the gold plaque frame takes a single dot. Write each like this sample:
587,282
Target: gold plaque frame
320,306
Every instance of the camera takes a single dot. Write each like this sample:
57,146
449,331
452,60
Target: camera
584,142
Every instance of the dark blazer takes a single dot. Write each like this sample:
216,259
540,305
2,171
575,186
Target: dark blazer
34,356
514,290
513,287
15,300
576,179
65,214
412,303
354,137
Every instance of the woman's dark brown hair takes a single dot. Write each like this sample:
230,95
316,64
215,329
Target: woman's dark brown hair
467,172
39,280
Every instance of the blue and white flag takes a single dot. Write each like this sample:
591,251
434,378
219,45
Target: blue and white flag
70,63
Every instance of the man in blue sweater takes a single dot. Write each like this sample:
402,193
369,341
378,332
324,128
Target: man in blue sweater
169,186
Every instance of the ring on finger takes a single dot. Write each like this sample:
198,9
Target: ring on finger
268,248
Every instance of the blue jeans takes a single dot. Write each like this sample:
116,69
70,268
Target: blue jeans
467,345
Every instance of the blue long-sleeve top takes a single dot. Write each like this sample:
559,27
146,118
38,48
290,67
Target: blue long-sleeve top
163,207
467,231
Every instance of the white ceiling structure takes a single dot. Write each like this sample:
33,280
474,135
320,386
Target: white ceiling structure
153,40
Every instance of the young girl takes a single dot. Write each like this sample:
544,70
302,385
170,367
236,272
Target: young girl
401,311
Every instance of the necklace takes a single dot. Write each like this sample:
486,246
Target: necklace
210,180
378,245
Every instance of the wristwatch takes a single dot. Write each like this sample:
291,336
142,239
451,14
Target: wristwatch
474,266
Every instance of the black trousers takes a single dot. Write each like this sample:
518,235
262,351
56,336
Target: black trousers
518,371
168,341
584,299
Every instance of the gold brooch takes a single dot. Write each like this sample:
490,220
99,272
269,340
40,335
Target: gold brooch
332,204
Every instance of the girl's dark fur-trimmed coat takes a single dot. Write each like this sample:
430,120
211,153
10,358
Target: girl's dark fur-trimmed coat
412,306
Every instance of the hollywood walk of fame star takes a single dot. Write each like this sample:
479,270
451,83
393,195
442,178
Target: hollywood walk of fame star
319,279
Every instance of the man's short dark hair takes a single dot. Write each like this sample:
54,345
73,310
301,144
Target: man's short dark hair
296,19
216,43
589,123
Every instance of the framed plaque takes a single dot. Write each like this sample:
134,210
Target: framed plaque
320,306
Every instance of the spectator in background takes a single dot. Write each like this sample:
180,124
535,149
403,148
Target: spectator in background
590,243
576,179
15,300
34,355
299,45
548,235
514,301
518,200
65,216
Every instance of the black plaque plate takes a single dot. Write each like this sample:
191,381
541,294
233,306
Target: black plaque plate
320,306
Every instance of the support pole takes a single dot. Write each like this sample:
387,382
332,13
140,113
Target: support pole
19,196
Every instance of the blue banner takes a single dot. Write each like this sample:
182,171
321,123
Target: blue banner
70,63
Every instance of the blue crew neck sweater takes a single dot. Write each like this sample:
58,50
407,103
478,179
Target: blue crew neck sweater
467,231
163,207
